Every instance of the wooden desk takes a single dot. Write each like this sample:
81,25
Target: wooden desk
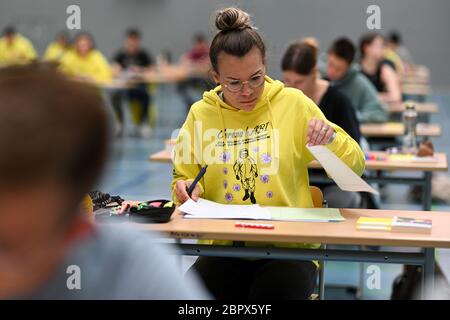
396,129
417,75
166,74
416,89
427,168
176,73
161,156
415,79
119,84
421,107
303,232
313,232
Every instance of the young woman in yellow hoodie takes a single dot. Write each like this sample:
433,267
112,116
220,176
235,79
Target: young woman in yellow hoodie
253,133
15,49
86,63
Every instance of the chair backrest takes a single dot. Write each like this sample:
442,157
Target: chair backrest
317,196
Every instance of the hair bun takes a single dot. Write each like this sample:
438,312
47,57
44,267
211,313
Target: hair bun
232,19
313,43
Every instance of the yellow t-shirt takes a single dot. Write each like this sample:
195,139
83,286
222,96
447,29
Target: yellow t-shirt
55,52
392,56
94,66
20,51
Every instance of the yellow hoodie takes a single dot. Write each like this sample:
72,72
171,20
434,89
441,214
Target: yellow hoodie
94,65
265,152
392,56
55,52
20,51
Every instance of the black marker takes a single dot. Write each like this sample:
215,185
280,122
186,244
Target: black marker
196,180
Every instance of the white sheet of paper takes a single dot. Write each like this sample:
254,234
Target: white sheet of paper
344,177
205,209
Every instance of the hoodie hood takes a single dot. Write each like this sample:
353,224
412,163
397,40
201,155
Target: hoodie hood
271,89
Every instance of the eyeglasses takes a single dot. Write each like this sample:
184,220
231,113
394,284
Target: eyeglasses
237,85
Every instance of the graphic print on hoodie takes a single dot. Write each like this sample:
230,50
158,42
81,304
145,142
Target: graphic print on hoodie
246,171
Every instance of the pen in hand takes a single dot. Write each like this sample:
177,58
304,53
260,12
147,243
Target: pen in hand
196,180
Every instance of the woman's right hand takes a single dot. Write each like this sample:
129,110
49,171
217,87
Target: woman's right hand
181,187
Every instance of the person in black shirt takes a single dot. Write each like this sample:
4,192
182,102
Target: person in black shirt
380,71
299,66
131,62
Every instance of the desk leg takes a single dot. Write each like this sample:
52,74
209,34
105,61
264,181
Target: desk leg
180,257
428,274
426,196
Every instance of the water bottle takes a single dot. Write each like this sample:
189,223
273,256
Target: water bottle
410,123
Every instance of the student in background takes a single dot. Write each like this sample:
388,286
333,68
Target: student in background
346,75
398,53
299,66
259,155
57,49
131,62
197,58
85,62
15,48
49,159
377,69
199,53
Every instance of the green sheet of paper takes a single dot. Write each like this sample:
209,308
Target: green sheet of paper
305,214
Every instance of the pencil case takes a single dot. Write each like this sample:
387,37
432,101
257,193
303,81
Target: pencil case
155,211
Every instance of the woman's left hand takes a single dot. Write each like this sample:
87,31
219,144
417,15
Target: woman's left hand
128,204
319,132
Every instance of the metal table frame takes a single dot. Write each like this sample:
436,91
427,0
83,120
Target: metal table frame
424,181
426,258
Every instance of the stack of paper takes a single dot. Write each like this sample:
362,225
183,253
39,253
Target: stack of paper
205,209
395,224
305,214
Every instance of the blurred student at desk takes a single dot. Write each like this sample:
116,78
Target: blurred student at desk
48,247
259,155
85,62
377,69
347,76
299,66
398,53
15,48
197,61
130,63
57,49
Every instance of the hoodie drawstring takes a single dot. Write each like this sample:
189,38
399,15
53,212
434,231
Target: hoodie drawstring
272,119
222,124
